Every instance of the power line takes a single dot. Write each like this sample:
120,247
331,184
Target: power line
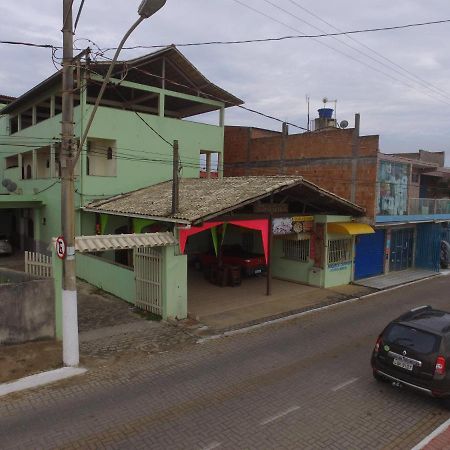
402,70
329,46
30,44
248,41
282,38
140,117
254,111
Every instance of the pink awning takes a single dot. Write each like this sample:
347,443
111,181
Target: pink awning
257,224
261,225
184,234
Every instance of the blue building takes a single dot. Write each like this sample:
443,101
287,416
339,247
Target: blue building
412,215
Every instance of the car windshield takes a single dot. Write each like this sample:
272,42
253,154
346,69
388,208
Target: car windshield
416,340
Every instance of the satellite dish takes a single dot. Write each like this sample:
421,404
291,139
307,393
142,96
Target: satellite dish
5,182
344,124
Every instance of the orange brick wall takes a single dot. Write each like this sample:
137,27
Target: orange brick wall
324,158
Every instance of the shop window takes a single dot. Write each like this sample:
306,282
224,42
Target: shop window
296,250
339,251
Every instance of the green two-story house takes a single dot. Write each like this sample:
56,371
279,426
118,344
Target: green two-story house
150,102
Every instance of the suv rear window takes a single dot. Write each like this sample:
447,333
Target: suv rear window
416,340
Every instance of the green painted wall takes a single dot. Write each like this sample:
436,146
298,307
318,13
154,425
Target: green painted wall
143,158
112,278
328,276
340,274
288,269
174,284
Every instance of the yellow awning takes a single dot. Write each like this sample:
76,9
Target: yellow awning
351,228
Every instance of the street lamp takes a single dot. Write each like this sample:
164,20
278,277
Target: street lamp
71,354
149,7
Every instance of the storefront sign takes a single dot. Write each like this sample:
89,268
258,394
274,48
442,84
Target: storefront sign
338,266
290,225
273,208
282,225
303,219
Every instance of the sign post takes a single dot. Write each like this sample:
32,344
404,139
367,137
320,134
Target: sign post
61,247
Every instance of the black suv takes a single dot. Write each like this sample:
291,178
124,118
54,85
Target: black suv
413,351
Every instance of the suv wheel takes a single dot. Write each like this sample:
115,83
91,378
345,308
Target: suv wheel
379,378
446,402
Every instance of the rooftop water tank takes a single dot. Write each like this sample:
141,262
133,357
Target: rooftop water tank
325,113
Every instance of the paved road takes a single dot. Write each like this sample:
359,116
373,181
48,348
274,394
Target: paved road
302,384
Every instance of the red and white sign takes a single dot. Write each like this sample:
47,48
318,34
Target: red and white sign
61,248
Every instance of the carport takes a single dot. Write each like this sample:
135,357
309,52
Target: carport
285,218
20,217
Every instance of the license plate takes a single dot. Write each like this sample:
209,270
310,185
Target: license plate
402,364
258,271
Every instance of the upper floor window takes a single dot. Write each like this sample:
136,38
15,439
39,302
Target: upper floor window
101,158
209,164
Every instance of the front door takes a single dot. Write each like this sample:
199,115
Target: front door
402,249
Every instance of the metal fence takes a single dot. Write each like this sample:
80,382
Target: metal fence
429,206
38,265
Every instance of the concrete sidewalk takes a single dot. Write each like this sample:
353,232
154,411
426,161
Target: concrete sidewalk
229,308
396,278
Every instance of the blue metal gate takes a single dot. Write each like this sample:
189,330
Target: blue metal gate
429,236
369,258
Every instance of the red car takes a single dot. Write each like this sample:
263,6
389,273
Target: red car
234,255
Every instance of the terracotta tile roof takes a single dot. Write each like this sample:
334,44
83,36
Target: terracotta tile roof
203,199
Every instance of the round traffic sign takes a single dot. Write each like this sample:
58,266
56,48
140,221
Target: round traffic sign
61,247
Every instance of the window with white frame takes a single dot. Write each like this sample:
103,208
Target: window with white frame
296,250
339,251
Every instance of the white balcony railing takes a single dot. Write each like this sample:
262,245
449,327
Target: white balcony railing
424,206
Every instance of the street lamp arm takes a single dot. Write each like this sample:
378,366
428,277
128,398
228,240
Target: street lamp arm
103,88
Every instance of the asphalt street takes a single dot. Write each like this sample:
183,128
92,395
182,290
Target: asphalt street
301,384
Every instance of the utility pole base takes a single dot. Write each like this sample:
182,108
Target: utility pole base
71,351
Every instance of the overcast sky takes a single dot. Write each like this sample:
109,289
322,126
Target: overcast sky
398,80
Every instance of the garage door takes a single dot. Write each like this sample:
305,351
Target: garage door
369,260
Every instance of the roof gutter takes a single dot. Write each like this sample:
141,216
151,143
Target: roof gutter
137,216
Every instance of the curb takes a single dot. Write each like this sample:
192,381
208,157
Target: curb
434,434
310,311
40,379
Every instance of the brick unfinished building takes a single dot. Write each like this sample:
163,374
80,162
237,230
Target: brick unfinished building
339,160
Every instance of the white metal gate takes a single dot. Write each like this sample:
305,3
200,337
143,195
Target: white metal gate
38,265
148,275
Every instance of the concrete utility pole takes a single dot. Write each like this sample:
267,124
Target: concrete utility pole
70,152
175,181
71,354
